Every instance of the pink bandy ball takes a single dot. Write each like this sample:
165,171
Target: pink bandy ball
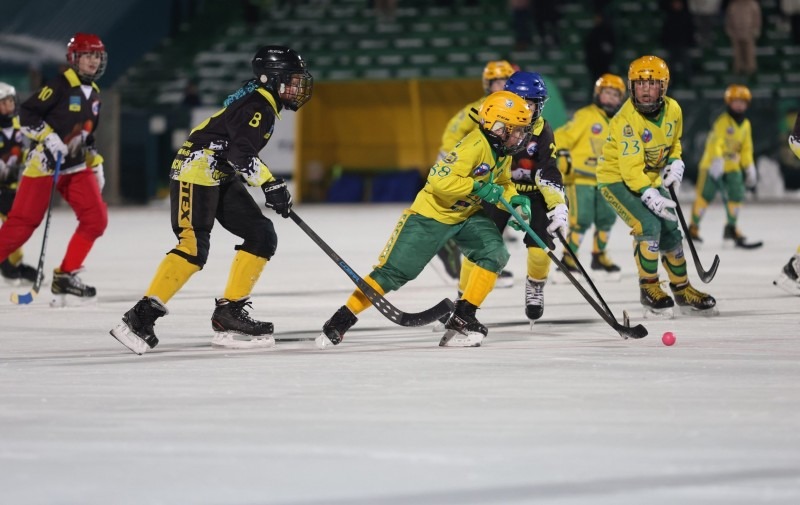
668,338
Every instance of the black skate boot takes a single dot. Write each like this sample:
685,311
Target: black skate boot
569,263
732,236
789,279
234,328
694,233
463,329
10,273
334,328
68,290
655,301
27,273
603,265
692,301
438,326
136,329
534,299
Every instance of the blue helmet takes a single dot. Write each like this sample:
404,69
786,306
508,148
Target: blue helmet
531,87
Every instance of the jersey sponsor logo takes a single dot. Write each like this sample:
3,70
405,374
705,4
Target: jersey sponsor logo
74,104
627,131
647,135
450,158
597,128
481,169
96,107
532,148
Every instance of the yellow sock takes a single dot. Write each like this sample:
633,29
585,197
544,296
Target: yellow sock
538,263
172,274
466,271
15,258
245,271
481,282
358,302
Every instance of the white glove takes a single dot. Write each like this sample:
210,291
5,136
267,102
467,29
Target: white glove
558,220
55,145
750,176
3,170
717,168
659,205
98,173
673,174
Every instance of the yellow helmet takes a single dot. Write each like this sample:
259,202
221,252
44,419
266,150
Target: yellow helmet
610,81
493,70
648,68
505,119
737,92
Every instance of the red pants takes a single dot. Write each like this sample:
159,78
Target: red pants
80,191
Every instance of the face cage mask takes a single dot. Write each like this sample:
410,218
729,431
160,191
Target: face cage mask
101,68
648,108
500,141
298,91
537,106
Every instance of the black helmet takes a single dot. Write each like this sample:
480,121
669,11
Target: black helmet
284,72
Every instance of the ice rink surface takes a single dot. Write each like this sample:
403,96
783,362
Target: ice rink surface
565,413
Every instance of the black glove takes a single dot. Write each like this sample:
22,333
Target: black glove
277,197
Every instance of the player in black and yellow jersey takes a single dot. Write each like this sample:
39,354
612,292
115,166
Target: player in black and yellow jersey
12,149
207,183
641,157
61,119
580,143
473,175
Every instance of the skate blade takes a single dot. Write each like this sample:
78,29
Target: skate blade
452,338
323,342
12,282
129,339
229,340
61,301
438,327
650,313
559,277
787,284
688,310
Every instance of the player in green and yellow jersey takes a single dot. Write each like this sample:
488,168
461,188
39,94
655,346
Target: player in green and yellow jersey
641,157
580,143
789,278
476,172
727,165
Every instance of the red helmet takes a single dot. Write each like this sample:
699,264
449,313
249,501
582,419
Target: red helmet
83,43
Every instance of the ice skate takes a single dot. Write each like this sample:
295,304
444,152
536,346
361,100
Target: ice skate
69,291
334,328
605,268
463,329
534,299
693,302
656,302
447,263
235,329
15,275
694,234
560,277
438,326
732,237
136,329
789,279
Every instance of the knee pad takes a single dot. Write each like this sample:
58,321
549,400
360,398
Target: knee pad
261,239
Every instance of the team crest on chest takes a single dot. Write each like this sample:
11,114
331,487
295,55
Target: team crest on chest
627,131
647,135
597,128
451,158
74,104
730,130
481,169
532,148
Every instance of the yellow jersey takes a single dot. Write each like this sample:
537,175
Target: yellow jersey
458,127
584,136
638,147
731,141
447,196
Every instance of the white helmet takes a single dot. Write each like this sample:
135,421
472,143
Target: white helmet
7,90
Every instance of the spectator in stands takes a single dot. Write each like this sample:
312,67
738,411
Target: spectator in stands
599,47
705,14
191,95
791,9
385,10
743,27
677,37
546,15
520,23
